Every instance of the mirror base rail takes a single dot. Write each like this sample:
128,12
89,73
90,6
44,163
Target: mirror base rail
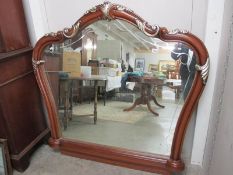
121,157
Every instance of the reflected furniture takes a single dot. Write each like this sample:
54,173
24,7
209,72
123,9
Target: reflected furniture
107,12
146,96
67,85
86,41
174,84
22,118
88,47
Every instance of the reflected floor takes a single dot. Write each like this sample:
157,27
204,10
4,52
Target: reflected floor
137,129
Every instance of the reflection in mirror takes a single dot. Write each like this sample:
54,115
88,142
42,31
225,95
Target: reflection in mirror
115,86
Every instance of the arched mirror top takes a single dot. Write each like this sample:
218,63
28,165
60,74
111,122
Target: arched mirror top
112,45
109,11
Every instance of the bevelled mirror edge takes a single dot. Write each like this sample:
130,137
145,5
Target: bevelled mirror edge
108,11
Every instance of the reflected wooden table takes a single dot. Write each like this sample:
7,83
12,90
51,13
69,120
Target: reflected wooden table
146,96
68,102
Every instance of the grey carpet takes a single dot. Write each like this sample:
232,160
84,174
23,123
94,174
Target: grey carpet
47,162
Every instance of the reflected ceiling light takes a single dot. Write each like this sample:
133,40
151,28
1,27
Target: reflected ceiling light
154,50
165,45
169,47
89,45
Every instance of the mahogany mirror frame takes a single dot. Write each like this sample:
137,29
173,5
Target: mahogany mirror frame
112,155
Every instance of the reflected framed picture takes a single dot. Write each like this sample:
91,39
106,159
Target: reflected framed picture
153,68
167,65
5,164
139,64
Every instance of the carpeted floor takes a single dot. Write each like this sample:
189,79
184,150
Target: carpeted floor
113,111
47,162
138,129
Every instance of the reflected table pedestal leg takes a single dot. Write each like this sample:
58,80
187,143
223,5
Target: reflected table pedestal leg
145,98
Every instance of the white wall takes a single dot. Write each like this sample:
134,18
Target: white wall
154,58
64,13
150,58
108,49
45,16
222,153
212,41
36,17
126,48
218,152
58,14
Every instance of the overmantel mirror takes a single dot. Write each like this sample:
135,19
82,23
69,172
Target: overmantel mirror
120,91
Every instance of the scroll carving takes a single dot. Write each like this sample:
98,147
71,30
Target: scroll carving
204,70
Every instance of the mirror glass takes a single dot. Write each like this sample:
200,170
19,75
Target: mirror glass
116,86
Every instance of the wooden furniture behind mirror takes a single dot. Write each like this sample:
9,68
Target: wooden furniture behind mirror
143,123
22,119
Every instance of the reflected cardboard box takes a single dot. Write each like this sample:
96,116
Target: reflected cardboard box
72,63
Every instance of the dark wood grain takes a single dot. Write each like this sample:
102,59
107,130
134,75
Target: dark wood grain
13,28
22,120
21,113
